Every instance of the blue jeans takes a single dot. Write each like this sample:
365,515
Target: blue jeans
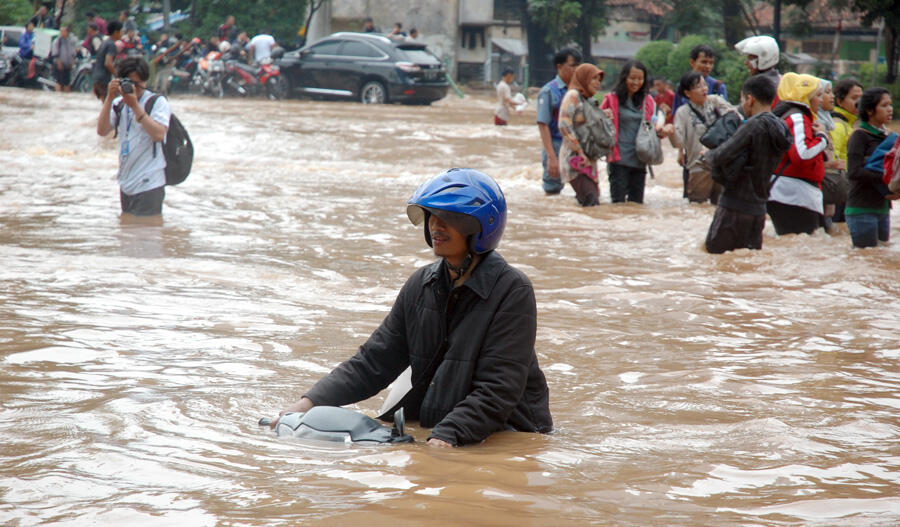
867,229
551,186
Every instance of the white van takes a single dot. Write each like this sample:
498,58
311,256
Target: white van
9,40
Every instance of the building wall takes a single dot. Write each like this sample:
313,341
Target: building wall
627,30
436,20
440,24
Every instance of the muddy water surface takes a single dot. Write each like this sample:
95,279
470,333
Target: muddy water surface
752,388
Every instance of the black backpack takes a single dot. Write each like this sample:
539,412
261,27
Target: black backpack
178,149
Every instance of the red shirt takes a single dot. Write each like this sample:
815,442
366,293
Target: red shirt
667,98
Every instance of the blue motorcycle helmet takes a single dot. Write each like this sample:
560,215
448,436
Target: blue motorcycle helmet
468,200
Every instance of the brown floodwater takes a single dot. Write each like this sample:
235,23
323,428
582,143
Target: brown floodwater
751,388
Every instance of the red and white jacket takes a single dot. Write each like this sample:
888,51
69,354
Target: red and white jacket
806,153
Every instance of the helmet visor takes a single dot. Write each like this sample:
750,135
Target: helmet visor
462,223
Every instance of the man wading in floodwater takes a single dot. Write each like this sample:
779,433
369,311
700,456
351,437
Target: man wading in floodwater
465,324
142,165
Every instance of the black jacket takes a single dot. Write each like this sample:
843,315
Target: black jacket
744,164
867,188
489,379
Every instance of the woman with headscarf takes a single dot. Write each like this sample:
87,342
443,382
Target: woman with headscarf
795,199
576,167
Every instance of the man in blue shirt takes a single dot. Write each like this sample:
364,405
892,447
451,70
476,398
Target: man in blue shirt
703,59
26,42
549,98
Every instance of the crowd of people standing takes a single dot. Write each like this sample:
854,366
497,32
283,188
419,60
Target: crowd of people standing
106,42
798,149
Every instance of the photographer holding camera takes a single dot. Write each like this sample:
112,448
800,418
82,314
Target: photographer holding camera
142,165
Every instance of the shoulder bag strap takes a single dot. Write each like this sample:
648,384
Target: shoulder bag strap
118,109
697,113
779,174
148,107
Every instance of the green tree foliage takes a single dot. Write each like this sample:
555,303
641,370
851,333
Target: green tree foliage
568,21
889,10
559,19
731,70
280,18
872,11
692,16
655,55
15,12
679,62
671,61
109,10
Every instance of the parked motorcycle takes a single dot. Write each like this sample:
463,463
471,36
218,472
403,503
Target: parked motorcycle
241,78
210,74
34,73
181,78
82,72
247,80
270,77
6,70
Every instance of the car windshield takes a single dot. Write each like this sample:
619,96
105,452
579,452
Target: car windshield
11,37
418,55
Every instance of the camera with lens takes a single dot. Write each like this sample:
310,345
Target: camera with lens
125,85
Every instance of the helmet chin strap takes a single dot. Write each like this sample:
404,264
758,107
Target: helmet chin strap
461,270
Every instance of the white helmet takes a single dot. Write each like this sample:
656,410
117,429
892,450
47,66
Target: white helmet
764,47
224,47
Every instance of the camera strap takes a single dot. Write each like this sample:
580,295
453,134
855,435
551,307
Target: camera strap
118,109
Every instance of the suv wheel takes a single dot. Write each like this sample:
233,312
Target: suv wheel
278,88
373,92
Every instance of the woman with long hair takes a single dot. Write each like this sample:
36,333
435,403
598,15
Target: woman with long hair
630,104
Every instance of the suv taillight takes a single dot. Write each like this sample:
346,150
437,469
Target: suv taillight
408,67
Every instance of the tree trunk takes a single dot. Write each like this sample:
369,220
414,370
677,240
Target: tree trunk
540,54
167,8
584,29
733,22
890,51
776,23
313,7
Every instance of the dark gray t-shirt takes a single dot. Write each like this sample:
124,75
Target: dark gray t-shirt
629,122
100,74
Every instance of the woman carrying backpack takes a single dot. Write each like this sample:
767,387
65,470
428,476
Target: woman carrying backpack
577,111
868,209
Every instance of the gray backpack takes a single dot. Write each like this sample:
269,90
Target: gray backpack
597,135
